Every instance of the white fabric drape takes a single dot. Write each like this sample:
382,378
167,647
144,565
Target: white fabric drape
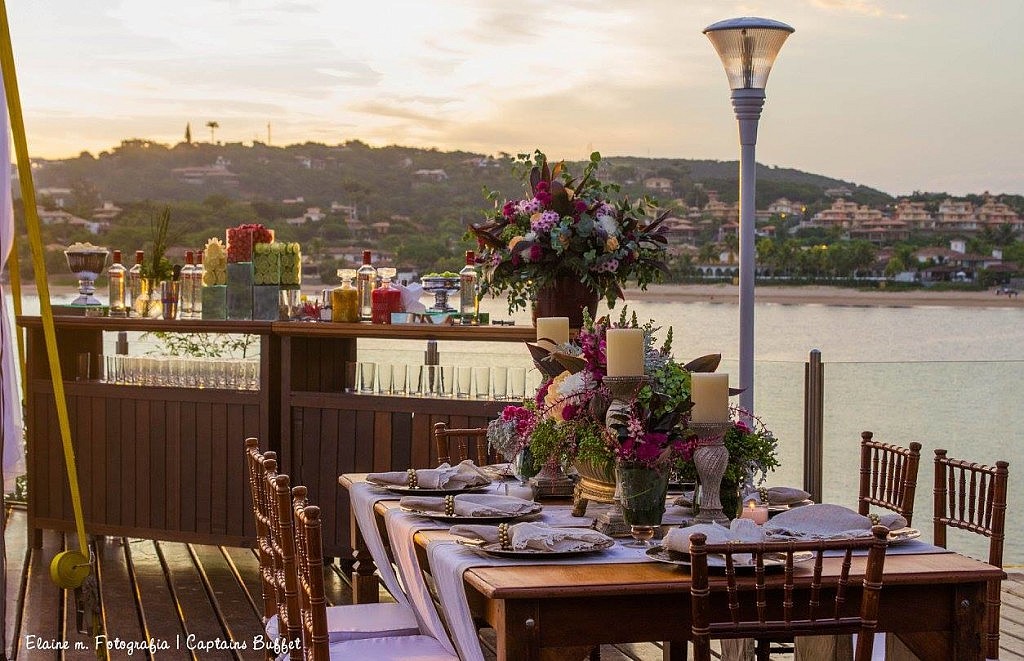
10,396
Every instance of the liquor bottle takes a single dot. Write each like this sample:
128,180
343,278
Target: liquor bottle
467,286
386,299
115,279
345,299
134,284
366,278
197,287
187,297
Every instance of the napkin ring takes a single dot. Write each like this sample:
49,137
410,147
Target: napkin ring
449,505
504,539
875,519
414,482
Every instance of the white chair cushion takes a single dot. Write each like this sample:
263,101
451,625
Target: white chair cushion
356,621
402,648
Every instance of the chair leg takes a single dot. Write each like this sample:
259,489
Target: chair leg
763,649
595,653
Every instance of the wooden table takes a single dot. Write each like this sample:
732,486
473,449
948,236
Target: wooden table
935,603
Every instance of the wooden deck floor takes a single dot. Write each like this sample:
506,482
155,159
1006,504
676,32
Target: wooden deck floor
167,592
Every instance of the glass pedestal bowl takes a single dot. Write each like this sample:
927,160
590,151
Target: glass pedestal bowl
86,261
441,287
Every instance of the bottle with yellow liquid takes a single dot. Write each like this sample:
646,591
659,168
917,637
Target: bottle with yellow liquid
345,298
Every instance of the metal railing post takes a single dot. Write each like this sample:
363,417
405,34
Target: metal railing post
814,405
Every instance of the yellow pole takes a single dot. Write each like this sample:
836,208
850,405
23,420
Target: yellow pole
68,569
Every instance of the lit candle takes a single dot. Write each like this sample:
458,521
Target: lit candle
625,351
710,395
552,331
756,513
524,491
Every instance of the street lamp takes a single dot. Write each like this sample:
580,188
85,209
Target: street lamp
748,47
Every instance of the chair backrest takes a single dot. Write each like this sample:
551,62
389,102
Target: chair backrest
453,445
971,497
888,476
257,462
315,637
752,616
282,538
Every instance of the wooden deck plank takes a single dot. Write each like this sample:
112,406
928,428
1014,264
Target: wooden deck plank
120,610
160,616
16,540
198,616
248,567
41,615
229,596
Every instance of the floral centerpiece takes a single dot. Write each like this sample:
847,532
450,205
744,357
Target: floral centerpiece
568,229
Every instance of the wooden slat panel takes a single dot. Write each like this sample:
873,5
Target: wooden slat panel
234,468
333,457
204,454
186,463
218,470
129,471
313,450
421,441
114,486
381,441
143,421
172,470
362,461
401,441
157,442
94,484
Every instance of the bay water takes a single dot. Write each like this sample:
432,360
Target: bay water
947,377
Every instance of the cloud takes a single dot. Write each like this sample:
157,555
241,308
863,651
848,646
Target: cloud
869,8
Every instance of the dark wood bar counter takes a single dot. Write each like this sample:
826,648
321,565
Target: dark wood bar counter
167,463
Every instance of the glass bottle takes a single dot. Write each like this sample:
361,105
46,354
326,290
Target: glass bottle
134,284
366,278
345,298
467,286
115,279
187,293
386,299
197,287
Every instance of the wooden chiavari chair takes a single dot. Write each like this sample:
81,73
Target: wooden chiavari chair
888,476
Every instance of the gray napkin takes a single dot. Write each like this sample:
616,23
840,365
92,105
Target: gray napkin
536,536
826,522
466,474
739,530
779,496
472,504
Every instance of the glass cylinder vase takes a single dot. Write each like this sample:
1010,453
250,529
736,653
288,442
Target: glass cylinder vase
643,494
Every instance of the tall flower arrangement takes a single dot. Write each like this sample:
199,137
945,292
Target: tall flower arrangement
568,227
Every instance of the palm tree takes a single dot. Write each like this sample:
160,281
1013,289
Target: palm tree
213,126
708,254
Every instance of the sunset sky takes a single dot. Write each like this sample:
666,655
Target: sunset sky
900,95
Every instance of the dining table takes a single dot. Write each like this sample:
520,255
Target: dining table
933,599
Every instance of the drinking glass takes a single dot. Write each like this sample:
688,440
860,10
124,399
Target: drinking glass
384,378
517,383
429,375
463,381
366,374
416,380
400,379
482,381
446,384
499,383
252,374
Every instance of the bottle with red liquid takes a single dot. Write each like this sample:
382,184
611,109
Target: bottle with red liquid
385,299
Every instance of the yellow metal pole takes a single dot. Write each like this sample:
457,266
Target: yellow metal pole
70,568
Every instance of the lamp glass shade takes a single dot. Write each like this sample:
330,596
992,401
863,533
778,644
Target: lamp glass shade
748,47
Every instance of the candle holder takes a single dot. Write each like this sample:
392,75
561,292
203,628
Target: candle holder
623,390
710,458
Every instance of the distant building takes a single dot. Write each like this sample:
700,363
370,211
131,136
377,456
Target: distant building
217,174
838,191
914,214
431,175
660,184
107,211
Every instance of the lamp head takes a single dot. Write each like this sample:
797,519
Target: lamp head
748,47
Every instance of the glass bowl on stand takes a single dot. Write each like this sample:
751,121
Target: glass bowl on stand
86,261
441,287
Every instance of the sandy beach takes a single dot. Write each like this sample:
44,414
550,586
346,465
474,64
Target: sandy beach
821,295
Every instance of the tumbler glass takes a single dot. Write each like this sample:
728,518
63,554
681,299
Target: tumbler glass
517,383
482,382
446,383
366,376
384,378
400,379
463,381
499,383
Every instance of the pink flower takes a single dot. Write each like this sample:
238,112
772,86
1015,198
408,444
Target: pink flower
544,186
508,209
743,427
543,198
580,206
569,411
535,253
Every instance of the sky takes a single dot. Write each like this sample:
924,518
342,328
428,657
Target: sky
900,95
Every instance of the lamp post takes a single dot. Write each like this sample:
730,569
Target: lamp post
748,47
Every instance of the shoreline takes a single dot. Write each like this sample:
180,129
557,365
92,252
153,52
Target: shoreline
728,294
822,295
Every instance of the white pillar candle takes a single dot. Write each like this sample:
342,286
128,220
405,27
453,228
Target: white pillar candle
756,513
710,395
552,331
625,351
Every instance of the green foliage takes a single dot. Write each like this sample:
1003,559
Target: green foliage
203,345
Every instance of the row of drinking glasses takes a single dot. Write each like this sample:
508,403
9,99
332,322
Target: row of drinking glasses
183,372
496,383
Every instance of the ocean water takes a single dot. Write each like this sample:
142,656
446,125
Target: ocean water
947,377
